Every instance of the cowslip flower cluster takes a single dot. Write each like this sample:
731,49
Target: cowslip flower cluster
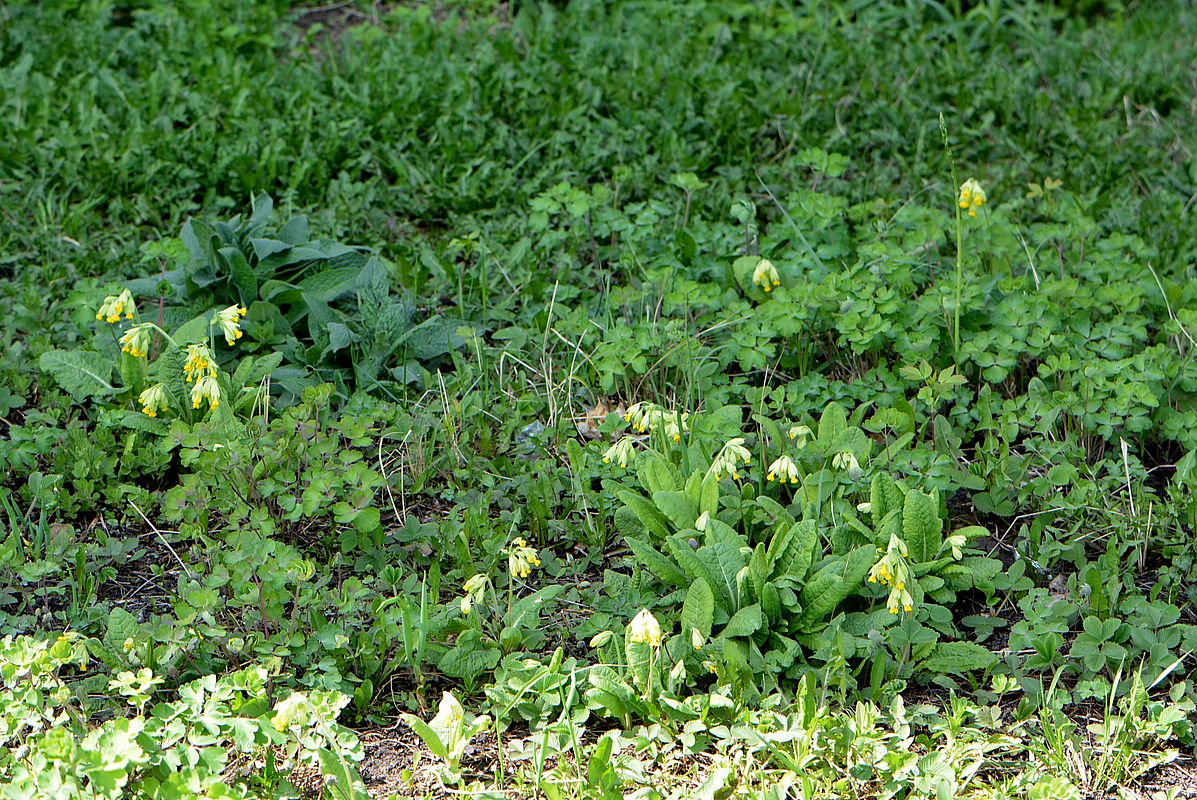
729,458
765,275
200,369
114,306
521,558
621,452
473,592
972,196
205,389
136,340
229,321
153,400
199,362
783,469
893,571
645,417
801,434
645,629
846,461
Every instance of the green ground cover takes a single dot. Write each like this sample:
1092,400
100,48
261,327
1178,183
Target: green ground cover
597,400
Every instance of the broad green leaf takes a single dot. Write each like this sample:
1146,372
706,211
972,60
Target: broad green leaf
694,567
677,507
957,658
264,248
81,373
758,571
469,658
640,661
656,474
698,610
193,330
921,526
340,336
747,621
652,560
251,371
819,597
649,515
832,424
330,284
121,626
884,496
431,338
723,556
526,611
243,277
795,549
135,420
426,734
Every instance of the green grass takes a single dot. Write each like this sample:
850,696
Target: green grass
557,211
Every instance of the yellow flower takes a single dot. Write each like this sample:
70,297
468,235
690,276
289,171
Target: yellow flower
621,452
674,424
136,340
956,544
521,558
972,196
474,590
199,362
115,305
645,629
801,434
637,414
206,388
729,458
153,400
846,461
229,321
783,469
765,275
892,570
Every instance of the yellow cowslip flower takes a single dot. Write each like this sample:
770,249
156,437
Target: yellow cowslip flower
956,544
729,458
765,275
229,320
115,305
136,340
206,388
645,629
846,461
783,469
474,590
893,571
521,558
153,400
801,434
199,362
637,414
972,196
676,424
621,452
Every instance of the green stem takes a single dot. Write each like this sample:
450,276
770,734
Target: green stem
959,273
165,335
943,131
